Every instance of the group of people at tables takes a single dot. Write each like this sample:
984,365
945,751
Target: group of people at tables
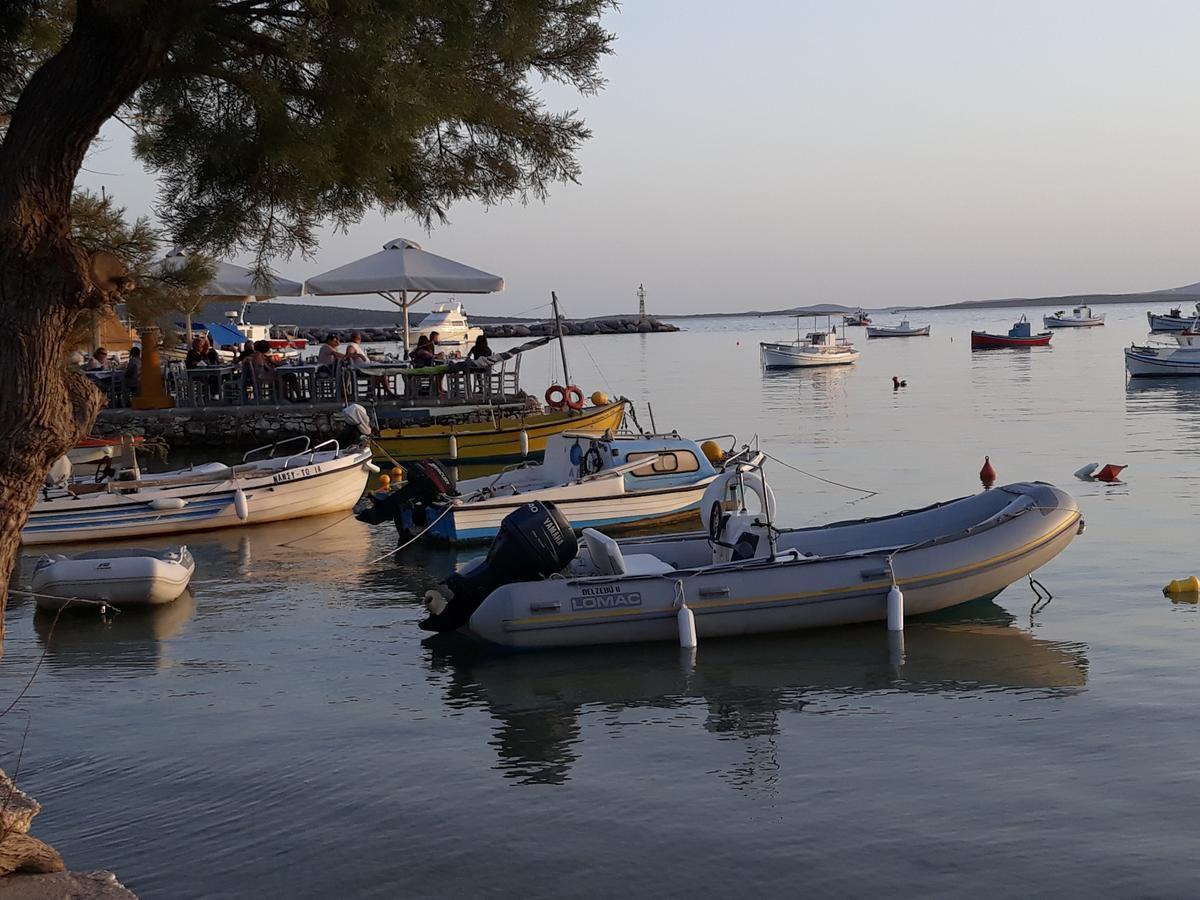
101,368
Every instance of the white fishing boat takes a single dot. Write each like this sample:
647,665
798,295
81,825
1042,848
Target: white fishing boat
1080,316
124,578
537,587
616,483
287,480
454,332
1156,361
817,348
904,329
1174,320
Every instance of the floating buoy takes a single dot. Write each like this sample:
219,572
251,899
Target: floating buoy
687,627
397,474
241,505
895,609
599,398
1110,472
168,503
987,474
1085,472
524,442
1189,585
453,447
898,382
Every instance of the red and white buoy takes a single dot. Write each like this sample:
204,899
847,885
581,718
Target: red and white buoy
987,474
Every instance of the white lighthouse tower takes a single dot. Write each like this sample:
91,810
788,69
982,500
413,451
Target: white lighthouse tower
641,295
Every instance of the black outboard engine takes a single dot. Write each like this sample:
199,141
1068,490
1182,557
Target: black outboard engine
534,541
426,483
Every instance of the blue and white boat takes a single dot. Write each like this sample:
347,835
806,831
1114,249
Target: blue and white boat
614,483
1165,361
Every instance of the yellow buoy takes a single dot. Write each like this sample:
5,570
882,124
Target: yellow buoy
1189,585
712,450
397,473
384,482
599,398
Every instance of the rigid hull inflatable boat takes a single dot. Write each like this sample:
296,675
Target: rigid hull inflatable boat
537,588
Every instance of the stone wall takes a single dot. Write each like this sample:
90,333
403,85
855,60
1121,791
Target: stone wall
234,426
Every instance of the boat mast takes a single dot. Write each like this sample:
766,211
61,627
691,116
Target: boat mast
558,330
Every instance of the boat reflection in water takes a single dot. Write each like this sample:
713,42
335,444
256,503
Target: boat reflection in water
539,698
126,643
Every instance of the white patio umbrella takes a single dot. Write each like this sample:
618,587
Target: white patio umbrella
404,274
234,283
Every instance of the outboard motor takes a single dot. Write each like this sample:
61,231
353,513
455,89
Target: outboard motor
534,541
426,483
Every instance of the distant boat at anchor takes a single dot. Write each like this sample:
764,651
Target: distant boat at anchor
817,348
904,329
1020,335
1081,316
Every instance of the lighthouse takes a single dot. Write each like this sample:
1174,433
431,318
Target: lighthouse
641,295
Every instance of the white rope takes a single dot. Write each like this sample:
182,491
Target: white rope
414,539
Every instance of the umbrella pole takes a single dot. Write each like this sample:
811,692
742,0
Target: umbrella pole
404,306
189,326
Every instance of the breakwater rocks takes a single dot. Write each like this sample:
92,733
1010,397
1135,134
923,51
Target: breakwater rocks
230,426
616,325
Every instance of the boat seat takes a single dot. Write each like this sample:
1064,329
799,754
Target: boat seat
609,560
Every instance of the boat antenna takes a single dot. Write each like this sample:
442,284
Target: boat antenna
558,331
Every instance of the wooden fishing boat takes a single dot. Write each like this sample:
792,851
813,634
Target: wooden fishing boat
1020,335
1174,320
817,348
904,329
1081,316
508,435
857,319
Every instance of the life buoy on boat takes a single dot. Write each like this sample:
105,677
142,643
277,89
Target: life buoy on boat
712,503
553,391
574,397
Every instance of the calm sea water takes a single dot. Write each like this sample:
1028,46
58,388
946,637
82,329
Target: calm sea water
285,731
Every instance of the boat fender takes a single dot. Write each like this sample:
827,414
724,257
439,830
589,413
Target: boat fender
895,609
574,397
453,447
241,505
712,503
687,627
60,472
576,454
599,398
556,396
168,503
371,467
524,443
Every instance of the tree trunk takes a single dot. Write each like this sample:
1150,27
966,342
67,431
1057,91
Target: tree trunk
45,278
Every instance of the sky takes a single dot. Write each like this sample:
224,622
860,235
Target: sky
759,155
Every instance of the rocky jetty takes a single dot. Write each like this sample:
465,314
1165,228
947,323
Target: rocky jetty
613,325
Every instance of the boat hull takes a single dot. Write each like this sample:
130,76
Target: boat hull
1150,362
882,332
308,490
784,356
788,593
129,578
981,340
1169,323
1051,322
495,440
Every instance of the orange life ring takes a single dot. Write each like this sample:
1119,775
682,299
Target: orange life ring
574,397
562,395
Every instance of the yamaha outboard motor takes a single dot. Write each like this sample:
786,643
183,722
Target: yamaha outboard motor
534,541
426,483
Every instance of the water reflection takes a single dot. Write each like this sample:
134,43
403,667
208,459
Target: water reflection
822,388
127,643
537,699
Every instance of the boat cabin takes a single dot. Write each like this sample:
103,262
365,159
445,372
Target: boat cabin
1021,329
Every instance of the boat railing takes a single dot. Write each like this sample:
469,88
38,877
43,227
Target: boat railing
311,452
270,449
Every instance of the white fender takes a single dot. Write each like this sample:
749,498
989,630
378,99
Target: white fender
241,505
371,467
524,443
168,503
719,489
453,447
60,472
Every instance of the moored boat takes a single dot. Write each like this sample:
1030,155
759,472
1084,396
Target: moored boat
857,319
295,480
1174,320
817,348
93,449
1020,335
1150,361
616,483
741,575
904,329
1081,316
449,321
124,578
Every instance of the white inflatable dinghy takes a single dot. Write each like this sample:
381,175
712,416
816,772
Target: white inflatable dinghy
123,578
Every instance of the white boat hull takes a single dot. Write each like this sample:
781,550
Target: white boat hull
786,356
882,331
1156,362
328,486
1053,322
124,578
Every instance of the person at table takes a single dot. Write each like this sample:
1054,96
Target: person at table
480,349
248,349
329,354
354,350
422,356
201,354
264,372
98,361
131,378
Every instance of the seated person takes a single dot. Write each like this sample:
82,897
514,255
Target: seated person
354,350
201,353
480,348
328,355
98,361
247,350
131,379
422,356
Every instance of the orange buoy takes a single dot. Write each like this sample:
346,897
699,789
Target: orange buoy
987,474
1110,472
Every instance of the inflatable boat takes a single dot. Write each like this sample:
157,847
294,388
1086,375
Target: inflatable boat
538,588
123,578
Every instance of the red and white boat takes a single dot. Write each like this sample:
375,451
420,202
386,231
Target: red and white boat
1020,335
93,449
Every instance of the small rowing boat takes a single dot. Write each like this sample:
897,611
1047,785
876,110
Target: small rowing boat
124,578
904,329
1080,317
1020,335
